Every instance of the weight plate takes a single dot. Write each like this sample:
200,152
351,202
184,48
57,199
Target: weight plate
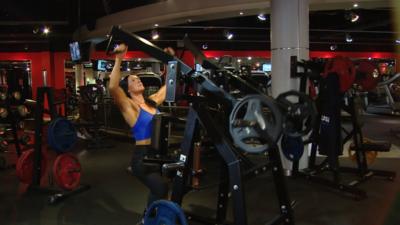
299,113
24,167
61,135
163,212
67,171
292,147
345,70
252,111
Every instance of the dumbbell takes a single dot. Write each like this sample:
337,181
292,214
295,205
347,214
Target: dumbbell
3,96
3,144
16,95
3,112
22,110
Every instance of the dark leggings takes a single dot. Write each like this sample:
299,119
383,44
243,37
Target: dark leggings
148,175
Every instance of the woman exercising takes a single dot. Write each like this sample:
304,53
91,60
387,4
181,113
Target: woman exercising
138,112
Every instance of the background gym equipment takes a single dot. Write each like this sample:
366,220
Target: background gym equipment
66,169
367,75
344,68
92,96
334,95
390,88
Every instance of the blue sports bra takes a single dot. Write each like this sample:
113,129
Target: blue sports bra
143,127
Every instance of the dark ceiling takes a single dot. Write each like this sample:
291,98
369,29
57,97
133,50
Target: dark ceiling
21,21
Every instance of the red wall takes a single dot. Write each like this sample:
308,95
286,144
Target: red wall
53,62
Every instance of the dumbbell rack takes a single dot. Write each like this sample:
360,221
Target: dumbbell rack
57,195
11,119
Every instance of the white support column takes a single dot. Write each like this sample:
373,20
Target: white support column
289,37
79,75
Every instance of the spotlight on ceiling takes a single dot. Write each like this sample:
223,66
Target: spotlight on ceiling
333,47
349,39
355,5
239,60
46,30
261,17
241,13
351,16
397,41
228,34
354,17
156,25
154,35
249,58
35,30
204,46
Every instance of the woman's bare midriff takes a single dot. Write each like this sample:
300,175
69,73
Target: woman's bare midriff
144,142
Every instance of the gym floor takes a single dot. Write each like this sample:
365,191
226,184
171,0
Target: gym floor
117,198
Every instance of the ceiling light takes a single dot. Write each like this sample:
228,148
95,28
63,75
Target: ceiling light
351,16
369,58
204,46
333,47
216,58
241,13
355,5
46,30
249,58
156,25
154,35
239,60
354,17
257,64
349,38
139,59
35,30
261,17
398,41
228,34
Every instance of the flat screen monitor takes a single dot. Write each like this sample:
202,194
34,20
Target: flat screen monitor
266,67
101,65
80,52
75,51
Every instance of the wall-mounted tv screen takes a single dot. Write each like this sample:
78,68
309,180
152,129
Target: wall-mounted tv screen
75,51
80,52
101,65
266,67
